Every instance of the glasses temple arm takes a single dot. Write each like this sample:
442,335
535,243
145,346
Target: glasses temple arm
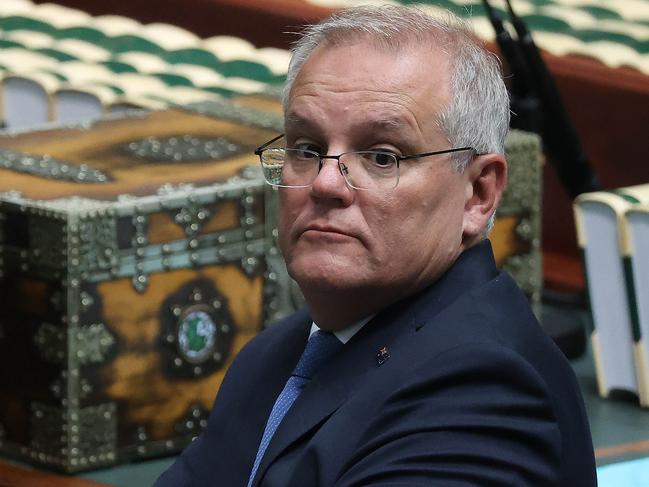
263,146
439,152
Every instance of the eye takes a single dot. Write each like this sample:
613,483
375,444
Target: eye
306,150
382,159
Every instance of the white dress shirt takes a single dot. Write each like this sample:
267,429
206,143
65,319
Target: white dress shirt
345,334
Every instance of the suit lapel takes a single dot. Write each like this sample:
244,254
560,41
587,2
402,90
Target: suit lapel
331,387
273,365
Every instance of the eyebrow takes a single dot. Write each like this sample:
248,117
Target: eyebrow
294,119
387,124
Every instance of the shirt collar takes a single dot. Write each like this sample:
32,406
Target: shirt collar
347,333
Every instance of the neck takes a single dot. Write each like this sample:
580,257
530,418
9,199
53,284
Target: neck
336,311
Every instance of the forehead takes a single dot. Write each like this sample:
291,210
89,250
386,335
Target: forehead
408,85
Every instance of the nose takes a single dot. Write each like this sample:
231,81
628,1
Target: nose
331,184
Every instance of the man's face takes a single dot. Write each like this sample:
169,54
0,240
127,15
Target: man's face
386,245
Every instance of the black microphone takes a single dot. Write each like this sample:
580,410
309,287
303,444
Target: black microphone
559,136
521,80
523,100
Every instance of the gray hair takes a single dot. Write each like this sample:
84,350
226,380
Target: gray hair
478,113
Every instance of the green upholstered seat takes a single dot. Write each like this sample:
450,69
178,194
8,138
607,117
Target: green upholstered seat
122,62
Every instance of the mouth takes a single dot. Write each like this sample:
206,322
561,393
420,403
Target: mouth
327,232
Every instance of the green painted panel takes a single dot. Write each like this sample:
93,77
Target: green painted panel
246,69
130,43
56,54
56,74
219,91
631,298
87,34
199,57
17,22
643,47
626,196
116,89
173,79
6,44
601,12
545,23
118,67
598,35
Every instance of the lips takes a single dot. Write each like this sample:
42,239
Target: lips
327,230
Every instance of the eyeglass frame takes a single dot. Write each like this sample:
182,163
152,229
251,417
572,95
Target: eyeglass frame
258,151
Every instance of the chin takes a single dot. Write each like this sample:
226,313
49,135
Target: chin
319,278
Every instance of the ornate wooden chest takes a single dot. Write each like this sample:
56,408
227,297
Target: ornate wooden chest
137,256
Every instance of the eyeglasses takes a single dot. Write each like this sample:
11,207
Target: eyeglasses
366,170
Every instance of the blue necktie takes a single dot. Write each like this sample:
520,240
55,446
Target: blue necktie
319,348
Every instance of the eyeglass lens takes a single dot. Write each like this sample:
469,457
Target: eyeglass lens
299,168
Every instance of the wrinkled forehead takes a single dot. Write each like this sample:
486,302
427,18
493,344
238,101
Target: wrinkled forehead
359,70
392,42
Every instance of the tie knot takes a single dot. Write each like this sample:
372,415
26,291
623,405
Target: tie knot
321,346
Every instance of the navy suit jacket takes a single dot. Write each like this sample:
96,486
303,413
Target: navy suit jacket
473,394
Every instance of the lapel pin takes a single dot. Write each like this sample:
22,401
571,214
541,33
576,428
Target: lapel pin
382,355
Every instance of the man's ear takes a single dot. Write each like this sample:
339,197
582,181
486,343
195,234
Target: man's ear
486,178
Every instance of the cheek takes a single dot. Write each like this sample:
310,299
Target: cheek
291,203
394,224
431,220
283,235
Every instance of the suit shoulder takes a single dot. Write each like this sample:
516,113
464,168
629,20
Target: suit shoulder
468,406
487,362
496,312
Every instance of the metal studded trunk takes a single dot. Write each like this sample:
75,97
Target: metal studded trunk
137,257
516,235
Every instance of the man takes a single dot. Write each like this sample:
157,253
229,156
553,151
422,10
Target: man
389,174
